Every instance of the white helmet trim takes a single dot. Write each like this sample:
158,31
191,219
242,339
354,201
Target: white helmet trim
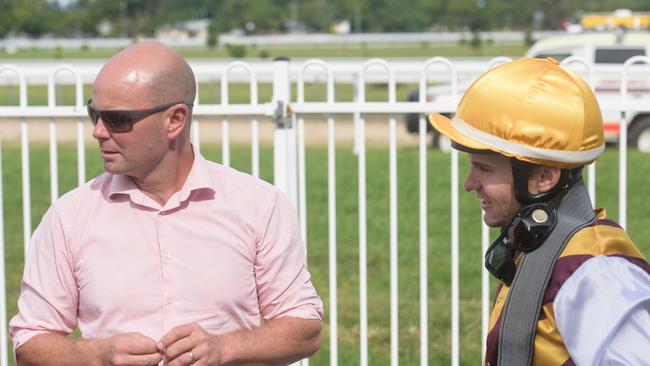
514,148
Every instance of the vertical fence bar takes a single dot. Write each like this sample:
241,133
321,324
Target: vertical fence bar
363,281
455,262
196,125
81,148
302,177
360,143
622,142
302,190
622,156
394,300
356,116
591,185
54,169
424,297
225,132
485,287
455,349
331,223
331,199
591,170
81,153
255,135
255,148
3,290
424,293
302,173
225,142
27,204
394,270
196,133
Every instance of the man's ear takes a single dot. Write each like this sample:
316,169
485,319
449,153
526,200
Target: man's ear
543,178
178,120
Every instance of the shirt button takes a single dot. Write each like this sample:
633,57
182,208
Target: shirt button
170,300
168,255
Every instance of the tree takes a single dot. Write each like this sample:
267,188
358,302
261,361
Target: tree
232,14
132,18
31,17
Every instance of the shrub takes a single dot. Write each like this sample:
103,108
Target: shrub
236,50
264,54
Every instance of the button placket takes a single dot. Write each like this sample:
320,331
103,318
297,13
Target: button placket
165,253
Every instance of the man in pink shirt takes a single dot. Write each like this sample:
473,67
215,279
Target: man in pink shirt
166,256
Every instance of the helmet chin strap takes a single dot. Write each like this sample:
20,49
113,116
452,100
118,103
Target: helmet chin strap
520,173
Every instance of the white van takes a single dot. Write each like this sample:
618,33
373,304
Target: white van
607,52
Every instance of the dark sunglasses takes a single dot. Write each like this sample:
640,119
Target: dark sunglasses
122,120
500,259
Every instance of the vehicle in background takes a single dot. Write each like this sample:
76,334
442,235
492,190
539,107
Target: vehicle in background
607,52
618,19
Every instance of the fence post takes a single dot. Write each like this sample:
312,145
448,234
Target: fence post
284,140
285,151
4,359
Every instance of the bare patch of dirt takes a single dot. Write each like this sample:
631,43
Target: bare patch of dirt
211,130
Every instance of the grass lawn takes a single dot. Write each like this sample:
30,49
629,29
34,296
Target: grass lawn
210,93
424,50
347,235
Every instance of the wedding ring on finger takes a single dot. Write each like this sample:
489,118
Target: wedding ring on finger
192,358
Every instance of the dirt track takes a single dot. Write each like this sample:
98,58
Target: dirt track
239,130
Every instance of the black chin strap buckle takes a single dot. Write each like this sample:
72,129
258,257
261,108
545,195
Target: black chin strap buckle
526,232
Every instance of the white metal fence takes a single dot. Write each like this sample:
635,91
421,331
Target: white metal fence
288,115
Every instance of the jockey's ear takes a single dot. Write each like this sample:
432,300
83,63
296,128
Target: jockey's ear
543,178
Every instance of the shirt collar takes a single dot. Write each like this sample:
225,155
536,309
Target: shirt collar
199,179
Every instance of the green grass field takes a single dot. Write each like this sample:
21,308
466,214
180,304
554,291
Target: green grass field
210,93
347,235
423,50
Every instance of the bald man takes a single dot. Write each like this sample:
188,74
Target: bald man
166,257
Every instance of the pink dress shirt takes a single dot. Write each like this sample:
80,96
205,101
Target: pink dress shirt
225,252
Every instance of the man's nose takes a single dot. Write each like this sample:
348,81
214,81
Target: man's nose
470,183
100,132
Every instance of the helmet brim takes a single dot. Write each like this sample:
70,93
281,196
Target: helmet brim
558,158
459,141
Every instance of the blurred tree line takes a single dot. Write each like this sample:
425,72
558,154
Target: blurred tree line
130,18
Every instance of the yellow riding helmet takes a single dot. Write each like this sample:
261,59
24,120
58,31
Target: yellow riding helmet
530,109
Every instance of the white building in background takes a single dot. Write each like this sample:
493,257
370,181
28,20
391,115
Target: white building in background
195,31
342,27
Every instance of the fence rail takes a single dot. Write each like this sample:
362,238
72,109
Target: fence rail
288,114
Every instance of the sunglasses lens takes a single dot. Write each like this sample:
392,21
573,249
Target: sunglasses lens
116,121
497,256
92,114
123,120
499,261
